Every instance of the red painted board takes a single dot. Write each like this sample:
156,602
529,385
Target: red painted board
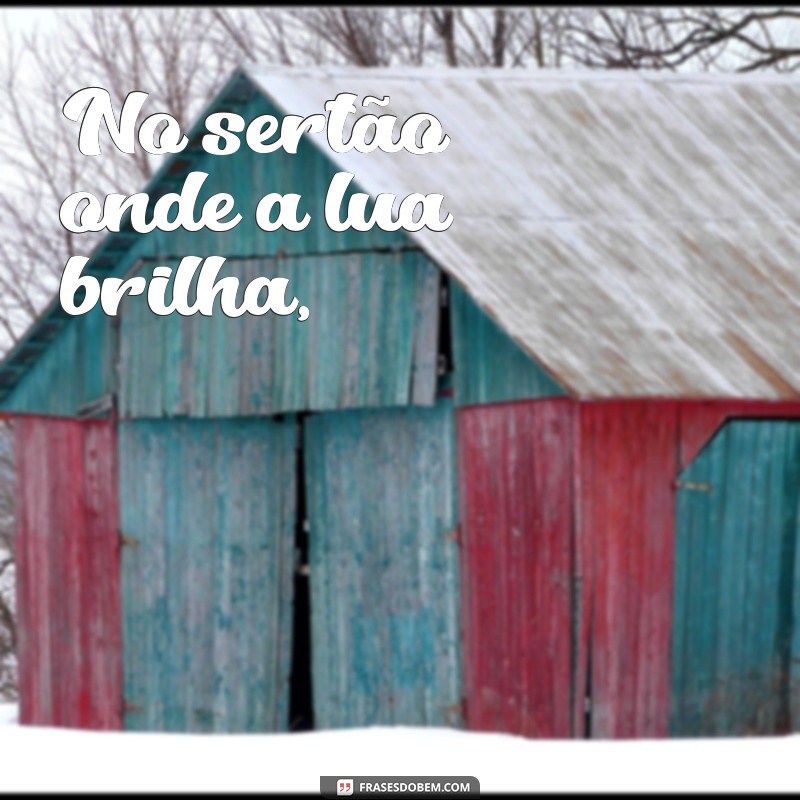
69,651
626,462
516,521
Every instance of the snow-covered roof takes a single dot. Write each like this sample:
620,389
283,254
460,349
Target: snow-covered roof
638,234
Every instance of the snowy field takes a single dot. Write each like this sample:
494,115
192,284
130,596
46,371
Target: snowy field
45,759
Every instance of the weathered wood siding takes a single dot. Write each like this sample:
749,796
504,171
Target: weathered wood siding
384,569
207,578
515,466
74,370
370,340
72,361
67,549
489,367
735,583
626,458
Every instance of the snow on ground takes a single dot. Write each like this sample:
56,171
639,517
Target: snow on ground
8,714
47,759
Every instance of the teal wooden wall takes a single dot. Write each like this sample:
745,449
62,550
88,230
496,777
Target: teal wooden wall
370,340
75,369
384,572
77,366
248,177
735,635
207,583
489,367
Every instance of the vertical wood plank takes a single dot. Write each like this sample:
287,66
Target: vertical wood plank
384,567
207,592
515,466
68,573
627,453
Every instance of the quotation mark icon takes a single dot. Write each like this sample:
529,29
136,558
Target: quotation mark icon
344,787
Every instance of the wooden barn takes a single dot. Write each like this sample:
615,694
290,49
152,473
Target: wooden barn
538,473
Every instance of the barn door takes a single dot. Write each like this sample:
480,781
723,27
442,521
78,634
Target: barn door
207,512
735,596
67,573
517,522
383,561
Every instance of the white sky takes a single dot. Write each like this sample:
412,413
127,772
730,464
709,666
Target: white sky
24,19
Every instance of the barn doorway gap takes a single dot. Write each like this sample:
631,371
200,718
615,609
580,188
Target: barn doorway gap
301,710
444,350
587,691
